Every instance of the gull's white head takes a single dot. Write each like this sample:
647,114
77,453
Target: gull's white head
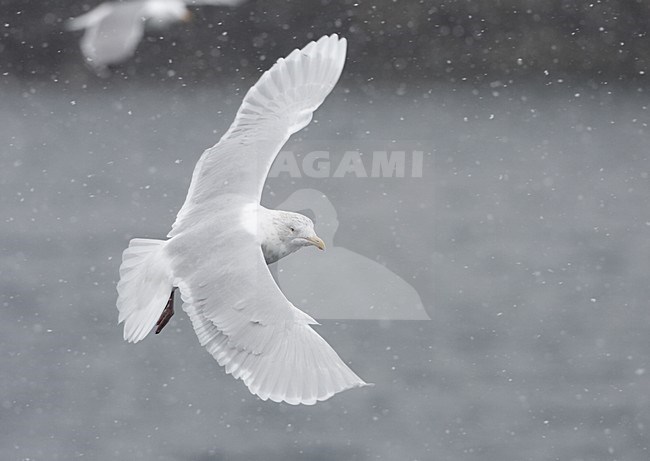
284,232
297,230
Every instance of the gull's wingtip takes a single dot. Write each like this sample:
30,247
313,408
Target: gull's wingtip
340,41
333,41
334,36
299,400
356,385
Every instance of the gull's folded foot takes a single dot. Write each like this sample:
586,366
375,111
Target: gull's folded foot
167,313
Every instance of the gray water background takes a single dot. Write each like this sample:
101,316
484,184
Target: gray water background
526,238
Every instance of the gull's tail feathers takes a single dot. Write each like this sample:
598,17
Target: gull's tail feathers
144,287
297,366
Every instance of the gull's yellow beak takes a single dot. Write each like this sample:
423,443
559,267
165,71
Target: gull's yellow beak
317,242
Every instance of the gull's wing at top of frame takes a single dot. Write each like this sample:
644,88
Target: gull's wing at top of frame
113,31
279,104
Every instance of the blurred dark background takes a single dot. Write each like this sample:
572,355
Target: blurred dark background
441,40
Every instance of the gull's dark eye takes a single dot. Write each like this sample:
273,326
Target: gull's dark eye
292,229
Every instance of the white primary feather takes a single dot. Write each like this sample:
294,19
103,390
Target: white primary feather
238,312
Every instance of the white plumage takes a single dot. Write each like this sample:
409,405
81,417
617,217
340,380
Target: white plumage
213,255
113,30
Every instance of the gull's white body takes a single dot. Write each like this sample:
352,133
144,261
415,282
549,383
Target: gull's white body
213,254
113,30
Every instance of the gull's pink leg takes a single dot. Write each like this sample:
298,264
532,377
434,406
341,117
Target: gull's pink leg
167,313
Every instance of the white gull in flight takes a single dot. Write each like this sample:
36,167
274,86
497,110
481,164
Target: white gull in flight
113,30
222,240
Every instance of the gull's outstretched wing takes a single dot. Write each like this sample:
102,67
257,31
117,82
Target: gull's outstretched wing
238,312
279,104
113,32
242,318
